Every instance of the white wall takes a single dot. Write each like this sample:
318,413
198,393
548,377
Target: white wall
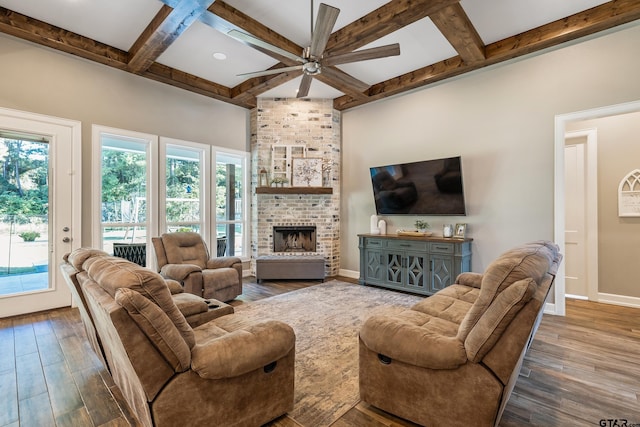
501,121
41,80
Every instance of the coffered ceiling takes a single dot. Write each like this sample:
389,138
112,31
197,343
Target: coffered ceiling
174,41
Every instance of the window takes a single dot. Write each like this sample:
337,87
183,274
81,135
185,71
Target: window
125,200
230,203
184,189
151,185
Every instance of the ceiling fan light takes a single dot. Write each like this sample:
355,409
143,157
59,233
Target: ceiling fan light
312,68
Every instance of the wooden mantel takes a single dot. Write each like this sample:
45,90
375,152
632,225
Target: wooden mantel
294,190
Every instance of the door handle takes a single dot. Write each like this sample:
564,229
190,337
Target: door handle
66,239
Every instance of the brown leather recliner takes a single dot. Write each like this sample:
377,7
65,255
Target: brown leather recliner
184,257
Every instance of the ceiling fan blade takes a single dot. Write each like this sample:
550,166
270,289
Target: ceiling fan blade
255,42
338,79
305,84
271,71
327,16
363,55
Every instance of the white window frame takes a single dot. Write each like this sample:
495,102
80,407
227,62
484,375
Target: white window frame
151,142
204,155
157,189
244,221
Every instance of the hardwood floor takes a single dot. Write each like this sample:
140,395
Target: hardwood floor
580,369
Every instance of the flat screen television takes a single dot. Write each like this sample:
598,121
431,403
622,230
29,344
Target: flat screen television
428,187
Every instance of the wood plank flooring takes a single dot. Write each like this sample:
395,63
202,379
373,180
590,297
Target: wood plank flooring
580,369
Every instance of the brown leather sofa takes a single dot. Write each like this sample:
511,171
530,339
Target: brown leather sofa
453,358
228,371
184,257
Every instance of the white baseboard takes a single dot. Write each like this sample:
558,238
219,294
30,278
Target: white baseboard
550,308
351,274
582,297
624,300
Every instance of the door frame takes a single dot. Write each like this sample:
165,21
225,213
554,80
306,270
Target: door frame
591,207
561,120
57,129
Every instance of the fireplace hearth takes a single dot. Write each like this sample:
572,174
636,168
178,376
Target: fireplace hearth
294,238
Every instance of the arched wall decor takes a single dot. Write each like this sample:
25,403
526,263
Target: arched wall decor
629,195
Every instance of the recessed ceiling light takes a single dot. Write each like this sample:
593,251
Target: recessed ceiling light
220,56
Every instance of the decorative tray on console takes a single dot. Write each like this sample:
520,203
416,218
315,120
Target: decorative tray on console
414,233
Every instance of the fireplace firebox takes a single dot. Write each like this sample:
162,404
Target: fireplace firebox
298,238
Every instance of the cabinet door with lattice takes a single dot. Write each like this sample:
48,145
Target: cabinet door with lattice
281,156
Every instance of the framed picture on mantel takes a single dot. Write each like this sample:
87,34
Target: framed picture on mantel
306,172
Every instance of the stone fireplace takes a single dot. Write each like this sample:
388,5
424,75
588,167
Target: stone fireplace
315,125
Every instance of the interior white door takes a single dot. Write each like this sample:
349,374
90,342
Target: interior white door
575,222
63,222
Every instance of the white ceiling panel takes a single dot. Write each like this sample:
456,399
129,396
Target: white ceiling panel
318,90
117,23
498,19
193,53
421,44
292,18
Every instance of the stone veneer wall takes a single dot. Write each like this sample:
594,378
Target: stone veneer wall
315,124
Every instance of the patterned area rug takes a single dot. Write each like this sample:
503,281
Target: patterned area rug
326,319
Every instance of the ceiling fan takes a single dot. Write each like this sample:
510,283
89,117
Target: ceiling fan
313,58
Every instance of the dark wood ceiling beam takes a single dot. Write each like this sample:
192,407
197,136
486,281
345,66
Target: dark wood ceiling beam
168,24
599,18
381,22
454,24
33,30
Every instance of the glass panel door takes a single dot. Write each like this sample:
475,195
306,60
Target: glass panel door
24,214
40,210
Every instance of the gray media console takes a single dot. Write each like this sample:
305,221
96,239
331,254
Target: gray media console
422,265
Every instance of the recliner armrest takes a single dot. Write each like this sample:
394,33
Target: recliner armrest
243,350
223,262
412,344
469,279
178,271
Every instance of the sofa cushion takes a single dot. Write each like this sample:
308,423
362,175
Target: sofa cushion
414,338
112,273
157,326
530,260
497,317
243,350
451,303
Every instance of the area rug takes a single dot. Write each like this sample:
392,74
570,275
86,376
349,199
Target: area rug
326,319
